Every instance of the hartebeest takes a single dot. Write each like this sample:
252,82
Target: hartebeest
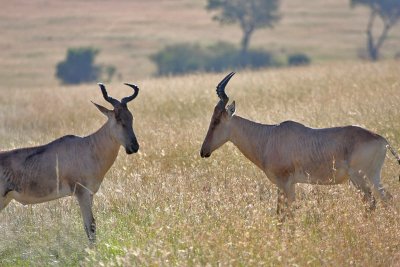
70,165
291,153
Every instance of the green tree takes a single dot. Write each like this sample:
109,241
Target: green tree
389,12
79,67
250,14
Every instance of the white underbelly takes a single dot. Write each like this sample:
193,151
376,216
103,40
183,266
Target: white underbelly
26,199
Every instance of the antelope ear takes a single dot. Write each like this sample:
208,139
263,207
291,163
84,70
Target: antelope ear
104,110
231,109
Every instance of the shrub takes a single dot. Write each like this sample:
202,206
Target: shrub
221,56
185,58
79,67
298,59
259,58
179,59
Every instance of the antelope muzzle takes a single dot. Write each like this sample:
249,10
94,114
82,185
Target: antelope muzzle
133,147
205,153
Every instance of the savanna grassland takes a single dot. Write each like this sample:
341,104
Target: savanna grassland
167,206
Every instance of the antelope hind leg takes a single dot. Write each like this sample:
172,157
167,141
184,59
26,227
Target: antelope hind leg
375,176
382,193
360,181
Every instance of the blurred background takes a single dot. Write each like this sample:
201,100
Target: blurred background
52,43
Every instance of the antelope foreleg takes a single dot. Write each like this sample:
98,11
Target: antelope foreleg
4,196
4,202
286,196
281,202
85,200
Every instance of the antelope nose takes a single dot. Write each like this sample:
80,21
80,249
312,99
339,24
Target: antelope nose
133,148
204,155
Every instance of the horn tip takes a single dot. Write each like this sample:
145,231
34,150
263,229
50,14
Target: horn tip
132,85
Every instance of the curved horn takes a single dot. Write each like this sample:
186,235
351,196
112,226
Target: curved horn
130,98
221,88
109,99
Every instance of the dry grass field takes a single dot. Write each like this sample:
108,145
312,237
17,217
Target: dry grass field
167,206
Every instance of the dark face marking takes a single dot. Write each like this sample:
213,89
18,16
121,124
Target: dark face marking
216,118
124,119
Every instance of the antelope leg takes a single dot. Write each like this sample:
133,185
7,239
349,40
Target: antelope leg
85,200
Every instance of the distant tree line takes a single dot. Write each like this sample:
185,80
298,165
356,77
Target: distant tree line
250,15
185,58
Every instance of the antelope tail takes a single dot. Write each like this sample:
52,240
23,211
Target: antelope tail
394,153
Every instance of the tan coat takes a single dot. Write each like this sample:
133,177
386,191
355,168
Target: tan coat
291,153
70,165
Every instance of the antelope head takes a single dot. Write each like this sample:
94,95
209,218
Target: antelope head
120,119
219,129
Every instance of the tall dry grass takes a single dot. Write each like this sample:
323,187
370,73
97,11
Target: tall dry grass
167,206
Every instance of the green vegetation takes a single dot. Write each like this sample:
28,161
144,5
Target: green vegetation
78,67
178,59
298,59
187,58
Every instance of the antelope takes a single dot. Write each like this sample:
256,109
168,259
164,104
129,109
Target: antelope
70,165
290,153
